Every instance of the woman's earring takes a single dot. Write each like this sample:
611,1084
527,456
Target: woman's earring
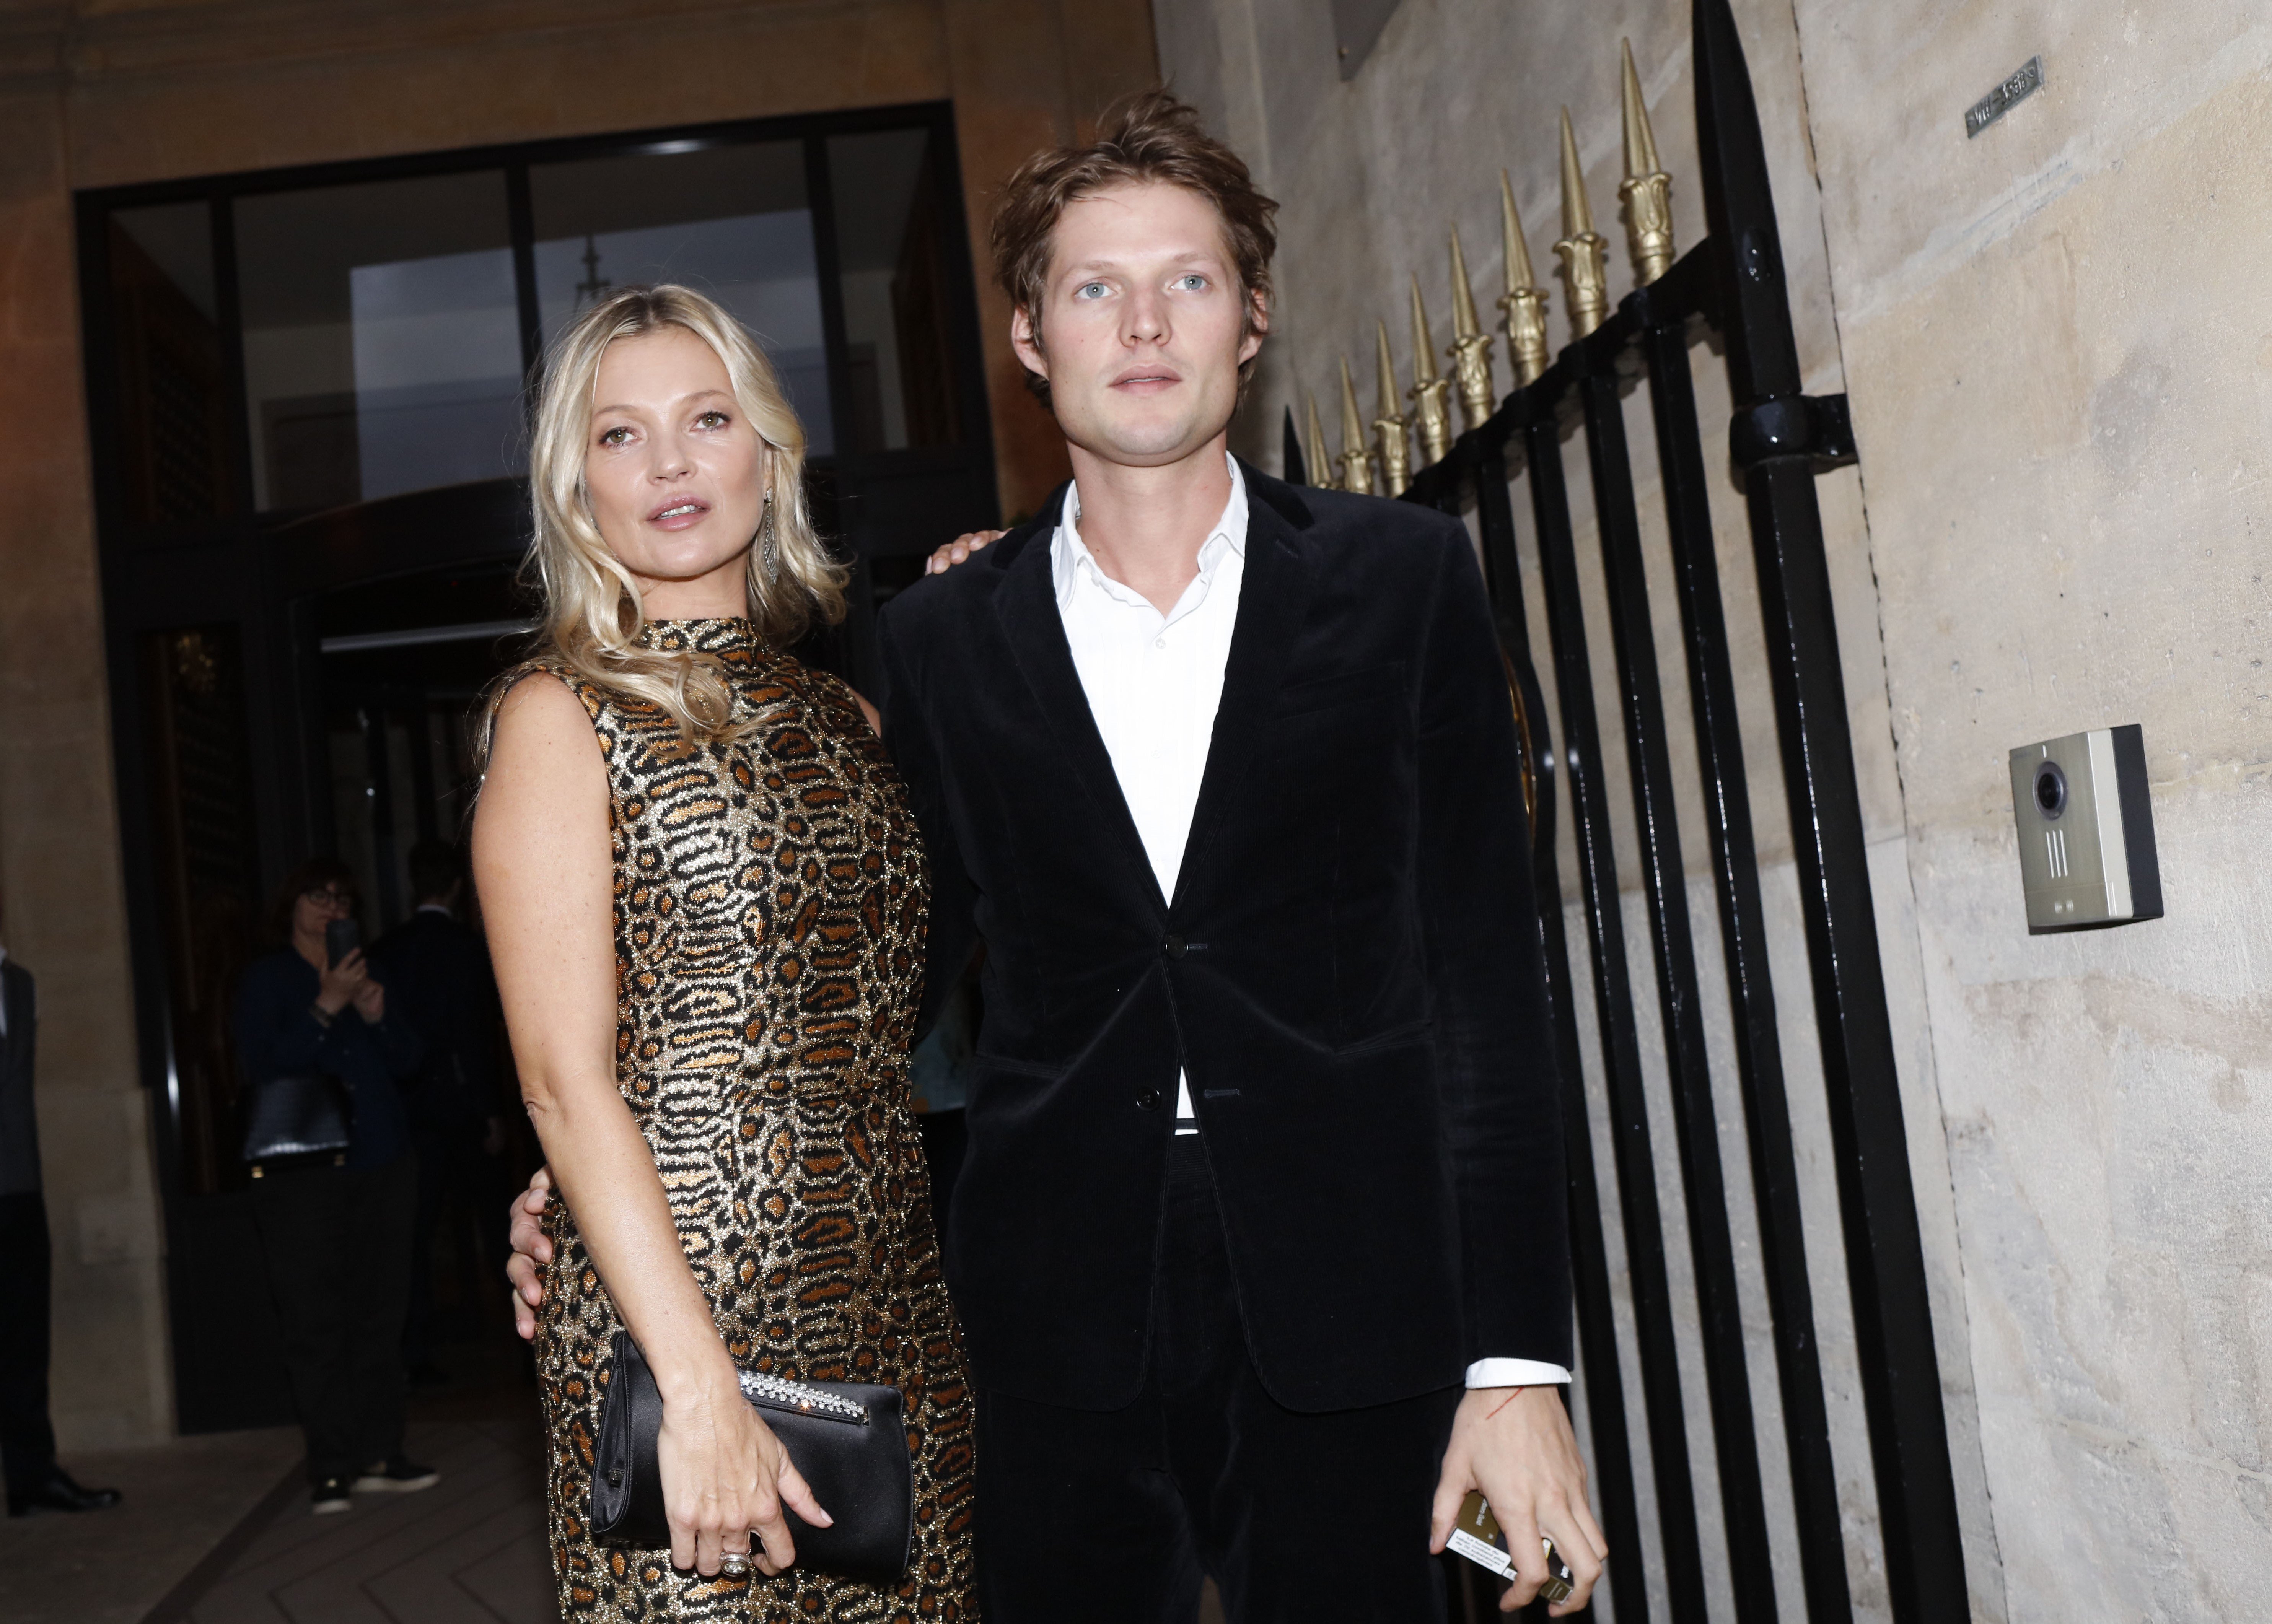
768,559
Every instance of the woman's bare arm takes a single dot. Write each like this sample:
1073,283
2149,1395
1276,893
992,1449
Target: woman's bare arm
543,864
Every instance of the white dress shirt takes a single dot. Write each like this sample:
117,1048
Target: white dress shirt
1154,682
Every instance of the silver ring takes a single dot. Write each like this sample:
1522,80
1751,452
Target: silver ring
735,1564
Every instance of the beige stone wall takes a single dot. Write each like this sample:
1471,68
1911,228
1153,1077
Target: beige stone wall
107,91
61,911
2055,341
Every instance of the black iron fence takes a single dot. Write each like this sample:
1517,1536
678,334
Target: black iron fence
1780,439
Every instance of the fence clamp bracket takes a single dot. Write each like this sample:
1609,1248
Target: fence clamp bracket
1815,426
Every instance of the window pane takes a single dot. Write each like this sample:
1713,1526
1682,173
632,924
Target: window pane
172,392
730,221
382,340
897,380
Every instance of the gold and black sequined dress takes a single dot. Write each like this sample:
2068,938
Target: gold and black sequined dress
770,898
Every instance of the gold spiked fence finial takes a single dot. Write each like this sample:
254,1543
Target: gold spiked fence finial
1389,428
1321,465
1470,351
1356,461
1523,304
1584,251
1428,390
1647,189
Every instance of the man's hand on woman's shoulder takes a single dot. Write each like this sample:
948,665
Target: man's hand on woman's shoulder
960,549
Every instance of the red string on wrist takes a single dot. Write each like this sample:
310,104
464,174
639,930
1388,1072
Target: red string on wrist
1503,1402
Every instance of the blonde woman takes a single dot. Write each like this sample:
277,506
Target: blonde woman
706,902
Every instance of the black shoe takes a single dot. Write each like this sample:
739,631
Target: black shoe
60,1494
397,1476
330,1496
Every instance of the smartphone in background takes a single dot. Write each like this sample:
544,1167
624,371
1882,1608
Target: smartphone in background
341,937
1477,1536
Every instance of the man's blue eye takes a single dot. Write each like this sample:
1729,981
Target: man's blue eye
1087,288
1193,280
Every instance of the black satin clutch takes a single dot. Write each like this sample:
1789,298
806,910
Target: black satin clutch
849,1440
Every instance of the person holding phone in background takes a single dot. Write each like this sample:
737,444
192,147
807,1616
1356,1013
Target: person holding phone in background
313,1006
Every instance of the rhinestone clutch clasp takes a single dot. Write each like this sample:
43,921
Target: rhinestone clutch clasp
760,1389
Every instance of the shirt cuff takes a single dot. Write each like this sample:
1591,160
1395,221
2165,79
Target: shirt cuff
1515,1373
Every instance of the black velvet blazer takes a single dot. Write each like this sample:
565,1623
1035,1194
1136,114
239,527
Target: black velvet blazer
1348,971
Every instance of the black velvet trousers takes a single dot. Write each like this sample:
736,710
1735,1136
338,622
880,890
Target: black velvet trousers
337,1240
27,1440
1113,1516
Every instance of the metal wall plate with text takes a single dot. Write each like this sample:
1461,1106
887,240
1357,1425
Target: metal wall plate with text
2024,82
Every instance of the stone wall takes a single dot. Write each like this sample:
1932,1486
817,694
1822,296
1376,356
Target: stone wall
2054,339
101,94
2057,338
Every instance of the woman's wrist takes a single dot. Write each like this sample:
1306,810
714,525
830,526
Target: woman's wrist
696,1375
326,1012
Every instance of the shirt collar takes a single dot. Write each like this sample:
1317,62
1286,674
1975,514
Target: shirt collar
1069,554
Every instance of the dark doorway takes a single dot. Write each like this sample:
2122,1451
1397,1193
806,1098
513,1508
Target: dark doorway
307,404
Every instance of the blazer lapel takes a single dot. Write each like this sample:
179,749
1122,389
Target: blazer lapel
1272,599
1027,608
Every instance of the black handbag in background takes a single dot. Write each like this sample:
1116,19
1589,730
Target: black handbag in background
848,1439
296,1118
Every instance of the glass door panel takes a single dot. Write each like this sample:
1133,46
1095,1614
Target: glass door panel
382,338
899,382
173,376
733,222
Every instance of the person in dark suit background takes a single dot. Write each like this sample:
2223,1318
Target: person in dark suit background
436,971
28,1437
335,1232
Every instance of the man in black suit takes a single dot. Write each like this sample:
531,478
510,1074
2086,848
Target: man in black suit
1259,1241
28,1438
437,974
1260,1235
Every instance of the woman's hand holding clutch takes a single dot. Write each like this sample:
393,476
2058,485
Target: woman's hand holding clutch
725,1476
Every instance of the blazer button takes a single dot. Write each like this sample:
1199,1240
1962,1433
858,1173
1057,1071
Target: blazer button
1148,1100
1173,947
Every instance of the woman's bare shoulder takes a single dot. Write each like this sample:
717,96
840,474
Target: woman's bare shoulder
544,724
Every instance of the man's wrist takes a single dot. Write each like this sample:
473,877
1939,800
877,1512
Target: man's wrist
1515,1373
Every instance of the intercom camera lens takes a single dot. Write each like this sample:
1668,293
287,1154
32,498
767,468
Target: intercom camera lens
2050,789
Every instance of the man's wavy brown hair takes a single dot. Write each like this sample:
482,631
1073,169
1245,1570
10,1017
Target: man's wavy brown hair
1149,136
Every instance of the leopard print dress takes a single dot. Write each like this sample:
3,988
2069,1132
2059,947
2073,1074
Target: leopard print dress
770,907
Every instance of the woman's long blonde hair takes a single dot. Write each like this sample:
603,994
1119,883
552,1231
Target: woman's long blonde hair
592,613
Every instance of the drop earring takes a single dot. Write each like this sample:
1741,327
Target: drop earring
768,557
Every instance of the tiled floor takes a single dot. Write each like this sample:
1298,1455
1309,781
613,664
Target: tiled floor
468,1551
112,1567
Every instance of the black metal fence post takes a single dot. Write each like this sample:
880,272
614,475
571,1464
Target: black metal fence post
1652,1296
1773,441
1603,1385
1665,884
1750,989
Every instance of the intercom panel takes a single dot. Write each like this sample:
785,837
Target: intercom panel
2086,826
